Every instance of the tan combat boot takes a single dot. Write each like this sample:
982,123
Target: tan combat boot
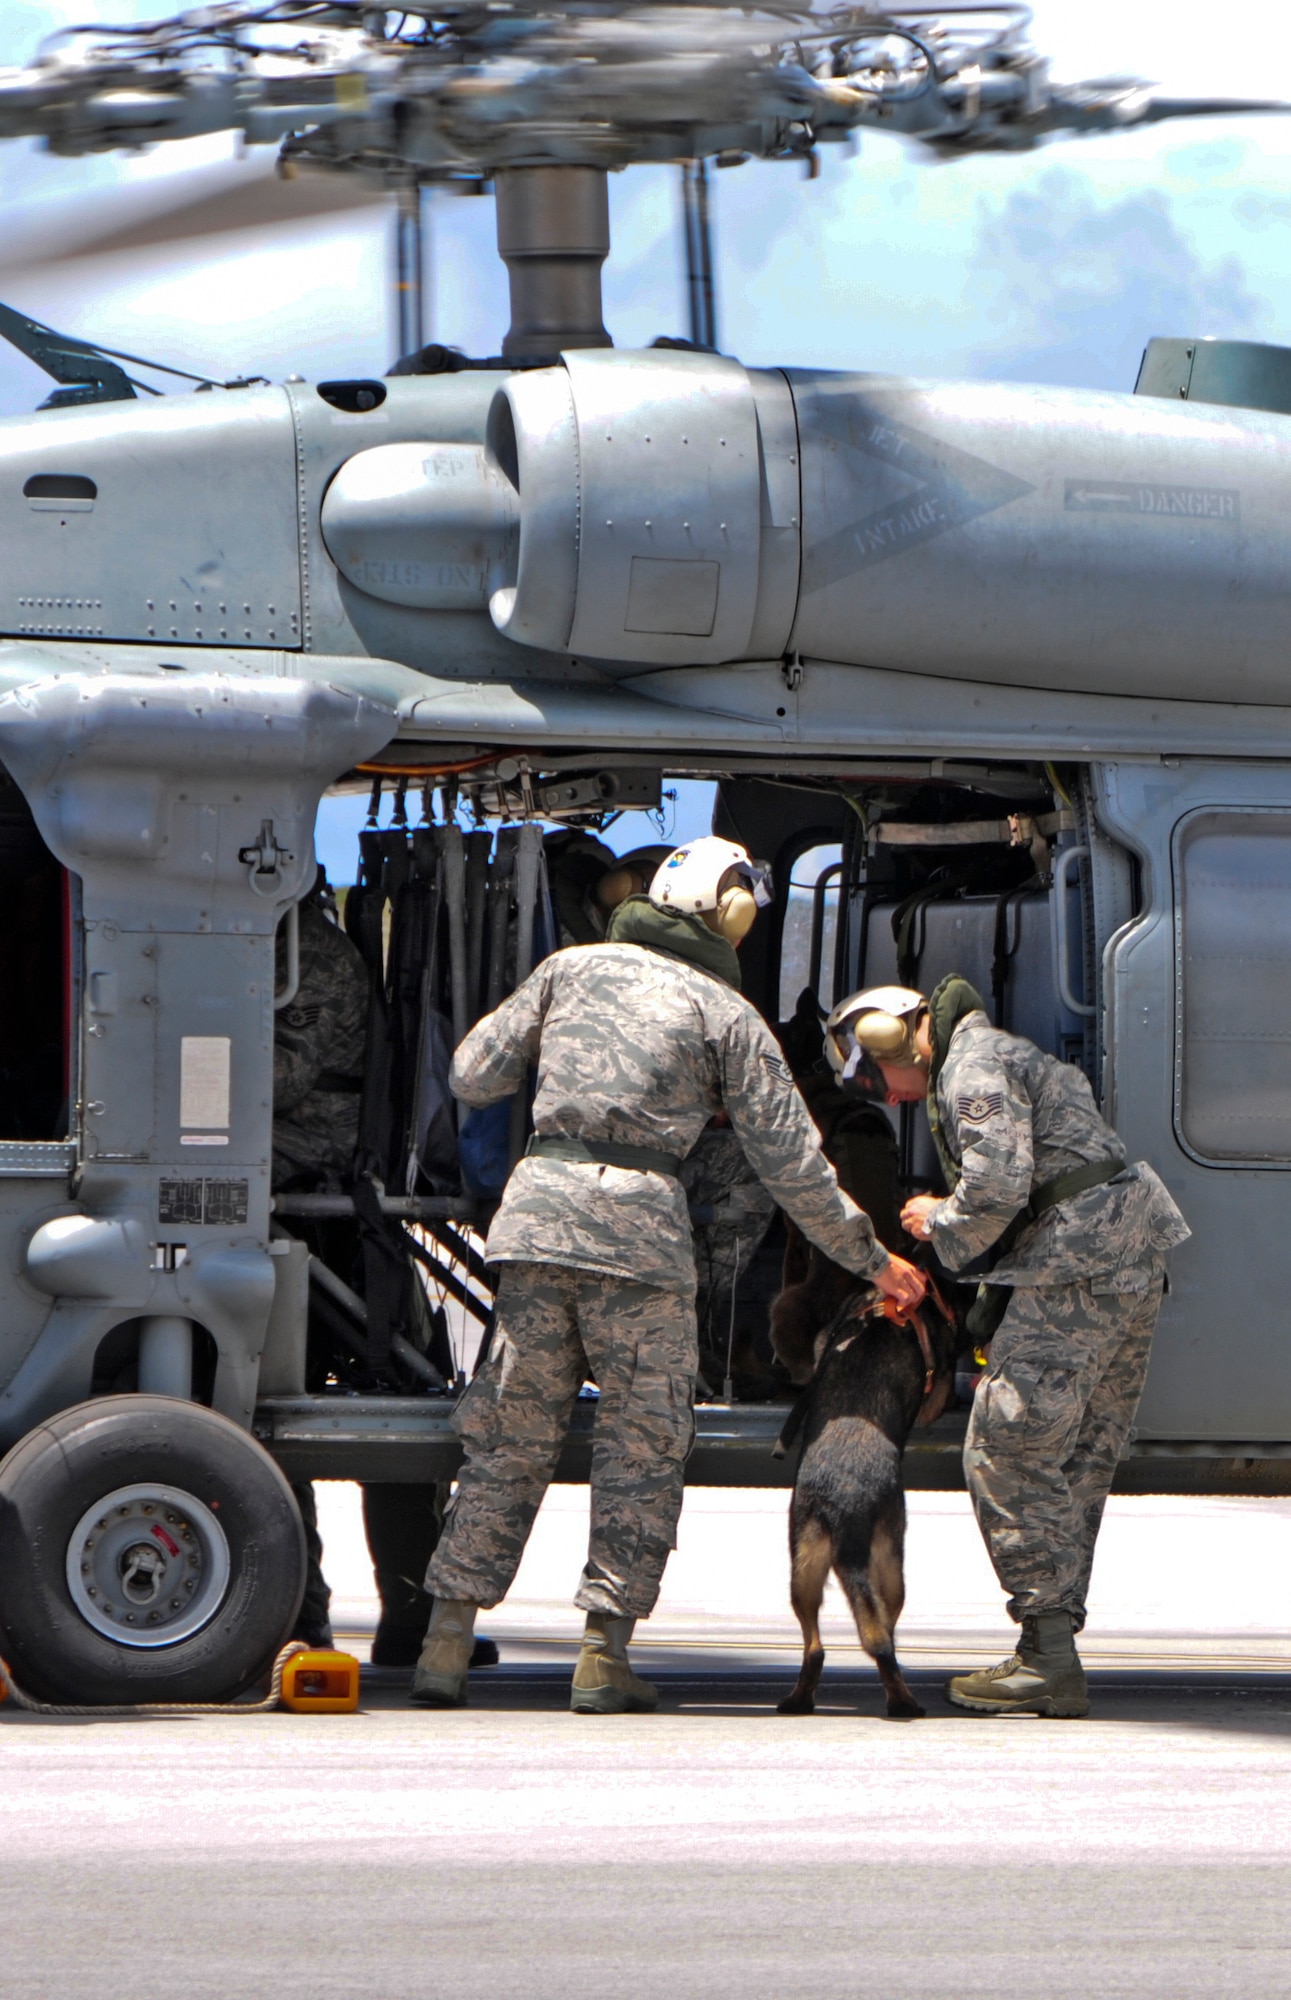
604,1683
440,1679
1044,1676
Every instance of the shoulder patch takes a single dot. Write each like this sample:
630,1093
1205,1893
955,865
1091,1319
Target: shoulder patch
976,1110
298,1016
777,1067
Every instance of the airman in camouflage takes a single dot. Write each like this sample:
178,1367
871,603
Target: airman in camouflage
554,1325
318,1056
1068,1362
731,1213
637,1042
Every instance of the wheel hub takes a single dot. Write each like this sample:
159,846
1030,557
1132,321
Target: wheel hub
148,1566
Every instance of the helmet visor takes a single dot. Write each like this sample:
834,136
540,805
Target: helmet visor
756,876
861,1077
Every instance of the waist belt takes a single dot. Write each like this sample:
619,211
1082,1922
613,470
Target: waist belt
1077,1180
336,1084
604,1153
992,1301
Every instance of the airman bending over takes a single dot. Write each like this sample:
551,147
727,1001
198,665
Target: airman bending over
1080,1239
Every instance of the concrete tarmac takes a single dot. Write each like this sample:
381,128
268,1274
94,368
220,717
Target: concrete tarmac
716,1849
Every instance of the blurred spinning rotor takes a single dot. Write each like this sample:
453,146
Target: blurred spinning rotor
466,90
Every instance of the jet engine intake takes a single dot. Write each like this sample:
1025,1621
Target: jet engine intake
428,525
647,485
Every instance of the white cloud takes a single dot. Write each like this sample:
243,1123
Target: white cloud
886,262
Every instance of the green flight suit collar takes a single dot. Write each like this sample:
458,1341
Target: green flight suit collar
675,935
948,1005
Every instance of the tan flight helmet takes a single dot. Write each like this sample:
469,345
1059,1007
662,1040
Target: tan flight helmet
714,879
878,1023
631,875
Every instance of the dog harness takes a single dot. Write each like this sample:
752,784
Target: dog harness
879,1308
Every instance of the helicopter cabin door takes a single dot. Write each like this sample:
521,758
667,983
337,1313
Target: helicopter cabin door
1198,996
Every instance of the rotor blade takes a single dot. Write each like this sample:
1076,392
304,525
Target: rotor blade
1210,107
256,201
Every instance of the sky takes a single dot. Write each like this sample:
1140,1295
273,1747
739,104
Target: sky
1051,266
1054,266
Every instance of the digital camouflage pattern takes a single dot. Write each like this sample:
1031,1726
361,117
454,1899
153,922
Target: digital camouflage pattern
639,1049
318,1056
553,1329
1048,1424
1013,1118
716,1175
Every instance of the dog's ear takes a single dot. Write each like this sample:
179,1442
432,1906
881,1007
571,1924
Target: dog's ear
793,1328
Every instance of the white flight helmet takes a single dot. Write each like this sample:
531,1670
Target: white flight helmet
879,1022
713,879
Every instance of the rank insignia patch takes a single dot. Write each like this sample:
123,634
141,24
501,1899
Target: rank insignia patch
778,1067
976,1110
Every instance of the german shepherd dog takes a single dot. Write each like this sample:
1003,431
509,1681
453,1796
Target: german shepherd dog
875,1377
866,1380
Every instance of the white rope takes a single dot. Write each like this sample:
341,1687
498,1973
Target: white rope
271,1700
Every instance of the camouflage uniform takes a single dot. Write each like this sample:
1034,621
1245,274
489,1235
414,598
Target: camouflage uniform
636,1049
318,1056
317,1046
554,1327
716,1175
1068,1362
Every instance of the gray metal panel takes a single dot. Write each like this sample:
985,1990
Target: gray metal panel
1244,374
781,546
191,535
832,711
1232,873
24,1159
1221,1362
118,1049
669,477
426,525
338,619
412,1439
282,1363
1042,537
186,804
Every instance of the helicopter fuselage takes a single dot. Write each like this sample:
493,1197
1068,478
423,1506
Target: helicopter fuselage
217,606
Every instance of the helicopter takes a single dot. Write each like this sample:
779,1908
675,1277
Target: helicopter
1004,666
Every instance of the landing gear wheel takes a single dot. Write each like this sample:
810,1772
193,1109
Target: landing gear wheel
149,1551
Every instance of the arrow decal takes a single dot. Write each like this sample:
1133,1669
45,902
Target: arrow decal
946,487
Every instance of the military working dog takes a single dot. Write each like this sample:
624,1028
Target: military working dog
875,1378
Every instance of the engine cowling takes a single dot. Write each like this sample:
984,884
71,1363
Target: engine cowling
628,507
658,500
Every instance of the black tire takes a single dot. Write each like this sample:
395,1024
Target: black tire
253,1581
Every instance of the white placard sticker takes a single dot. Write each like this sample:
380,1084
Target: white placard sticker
204,1067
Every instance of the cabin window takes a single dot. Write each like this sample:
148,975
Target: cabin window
1234,963
810,928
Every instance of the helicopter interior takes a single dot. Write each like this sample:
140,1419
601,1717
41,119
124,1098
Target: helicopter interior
890,872
35,979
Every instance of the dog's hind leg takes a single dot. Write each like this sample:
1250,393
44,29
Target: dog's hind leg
812,1549
876,1594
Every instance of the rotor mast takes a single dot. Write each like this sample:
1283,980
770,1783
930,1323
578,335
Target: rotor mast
553,236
